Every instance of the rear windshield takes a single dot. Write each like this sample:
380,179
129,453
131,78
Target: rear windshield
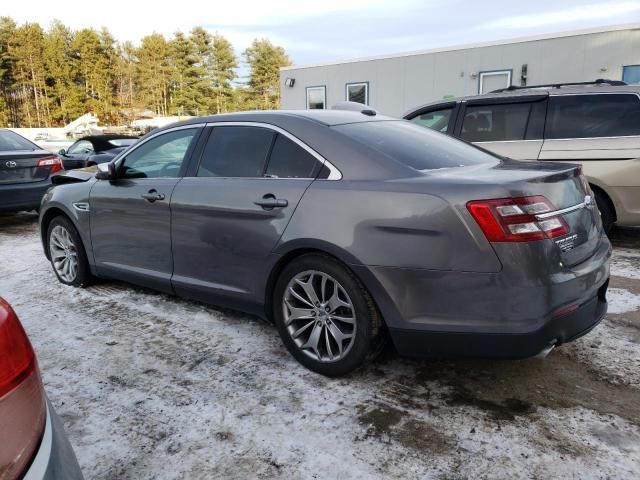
415,146
12,141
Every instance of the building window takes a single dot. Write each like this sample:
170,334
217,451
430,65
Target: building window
494,80
631,74
316,98
358,92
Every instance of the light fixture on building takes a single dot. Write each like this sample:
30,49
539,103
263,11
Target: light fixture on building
603,69
289,82
473,75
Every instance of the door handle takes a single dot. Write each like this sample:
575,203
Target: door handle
152,196
269,202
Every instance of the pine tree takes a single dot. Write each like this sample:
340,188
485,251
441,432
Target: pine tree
154,73
265,60
224,62
8,108
66,97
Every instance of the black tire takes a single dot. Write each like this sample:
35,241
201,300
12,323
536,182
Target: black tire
83,277
368,338
607,212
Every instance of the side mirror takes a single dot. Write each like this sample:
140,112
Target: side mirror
110,174
62,151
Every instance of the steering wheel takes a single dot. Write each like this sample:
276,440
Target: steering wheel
164,169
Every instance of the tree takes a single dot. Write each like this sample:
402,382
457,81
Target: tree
224,62
8,110
27,50
154,73
125,79
265,60
66,97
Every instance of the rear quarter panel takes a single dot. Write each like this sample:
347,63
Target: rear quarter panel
388,224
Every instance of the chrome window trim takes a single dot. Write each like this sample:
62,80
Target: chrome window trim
510,141
334,173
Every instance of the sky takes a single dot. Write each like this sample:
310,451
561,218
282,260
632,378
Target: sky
330,30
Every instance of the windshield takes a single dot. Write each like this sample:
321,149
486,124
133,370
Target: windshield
12,141
123,142
415,146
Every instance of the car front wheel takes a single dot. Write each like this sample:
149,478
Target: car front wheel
67,254
325,316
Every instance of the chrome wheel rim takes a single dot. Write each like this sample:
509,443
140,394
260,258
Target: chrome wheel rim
64,255
319,316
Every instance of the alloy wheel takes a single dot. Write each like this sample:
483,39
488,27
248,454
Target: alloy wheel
64,254
319,316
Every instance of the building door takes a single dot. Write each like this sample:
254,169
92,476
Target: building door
494,80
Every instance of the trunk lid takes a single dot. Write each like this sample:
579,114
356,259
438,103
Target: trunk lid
21,166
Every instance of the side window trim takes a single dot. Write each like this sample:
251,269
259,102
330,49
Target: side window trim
334,173
187,156
584,94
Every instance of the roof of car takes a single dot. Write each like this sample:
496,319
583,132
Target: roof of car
105,137
324,117
535,91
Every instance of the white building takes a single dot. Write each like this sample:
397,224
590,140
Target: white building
393,84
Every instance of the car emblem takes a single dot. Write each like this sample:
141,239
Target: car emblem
11,164
588,201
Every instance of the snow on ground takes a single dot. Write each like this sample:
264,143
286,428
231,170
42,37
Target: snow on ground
151,386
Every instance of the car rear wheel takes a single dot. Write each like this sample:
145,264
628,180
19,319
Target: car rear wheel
325,317
606,211
67,254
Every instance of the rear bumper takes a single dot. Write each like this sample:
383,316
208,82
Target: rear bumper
555,331
513,313
22,196
55,459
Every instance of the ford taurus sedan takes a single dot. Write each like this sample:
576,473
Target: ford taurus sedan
343,228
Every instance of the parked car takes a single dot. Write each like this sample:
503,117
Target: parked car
25,172
106,157
595,124
340,226
76,155
34,444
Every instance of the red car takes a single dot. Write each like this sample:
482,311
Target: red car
33,444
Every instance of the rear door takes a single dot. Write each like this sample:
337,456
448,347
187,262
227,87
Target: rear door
227,218
130,216
511,127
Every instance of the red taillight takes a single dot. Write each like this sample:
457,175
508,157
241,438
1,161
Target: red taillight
22,400
52,161
515,219
17,359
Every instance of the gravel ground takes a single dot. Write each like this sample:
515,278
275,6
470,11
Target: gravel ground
151,386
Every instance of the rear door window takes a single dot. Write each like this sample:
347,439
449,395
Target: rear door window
593,115
437,120
236,151
289,160
496,122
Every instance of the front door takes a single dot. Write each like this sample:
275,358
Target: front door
130,216
229,216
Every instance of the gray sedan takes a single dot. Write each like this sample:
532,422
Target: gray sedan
344,229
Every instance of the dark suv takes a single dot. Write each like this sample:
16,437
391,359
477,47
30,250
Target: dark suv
596,124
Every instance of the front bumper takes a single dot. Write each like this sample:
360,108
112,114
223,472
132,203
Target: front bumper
55,459
23,196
